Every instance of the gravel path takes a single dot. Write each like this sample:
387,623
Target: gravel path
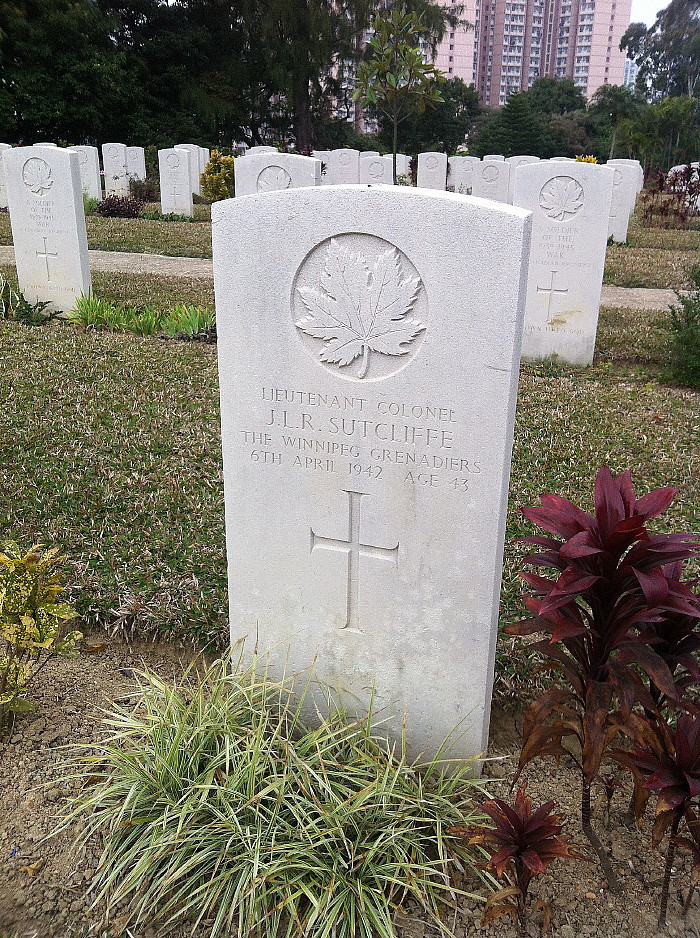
194,268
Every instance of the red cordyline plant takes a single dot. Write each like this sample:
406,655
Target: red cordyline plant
521,843
613,586
667,760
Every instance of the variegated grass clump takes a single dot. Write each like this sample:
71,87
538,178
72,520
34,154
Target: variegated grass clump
215,803
92,312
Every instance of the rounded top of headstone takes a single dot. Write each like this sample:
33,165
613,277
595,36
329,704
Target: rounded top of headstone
561,198
360,307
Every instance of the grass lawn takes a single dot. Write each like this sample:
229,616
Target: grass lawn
654,257
110,449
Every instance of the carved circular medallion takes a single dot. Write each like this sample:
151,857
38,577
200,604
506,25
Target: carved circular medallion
360,307
272,179
344,159
173,160
82,157
618,178
113,152
489,173
561,198
376,169
431,162
37,176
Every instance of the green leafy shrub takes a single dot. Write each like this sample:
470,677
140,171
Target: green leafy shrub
32,622
218,178
683,324
214,802
145,190
119,206
159,216
14,306
188,320
89,204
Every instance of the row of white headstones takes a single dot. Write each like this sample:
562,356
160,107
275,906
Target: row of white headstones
369,348
574,207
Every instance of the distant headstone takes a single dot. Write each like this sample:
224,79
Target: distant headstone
403,164
432,170
491,180
254,151
175,178
638,168
90,176
3,187
494,156
46,144
193,150
377,170
623,200
115,169
514,162
136,163
204,157
363,473
268,172
342,168
569,206
562,159
45,199
460,173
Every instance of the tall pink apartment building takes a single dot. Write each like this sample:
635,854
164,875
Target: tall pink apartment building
513,42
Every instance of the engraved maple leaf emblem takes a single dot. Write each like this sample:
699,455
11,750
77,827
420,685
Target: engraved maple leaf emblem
561,198
36,175
359,306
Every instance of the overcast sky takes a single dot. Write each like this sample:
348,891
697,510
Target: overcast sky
644,11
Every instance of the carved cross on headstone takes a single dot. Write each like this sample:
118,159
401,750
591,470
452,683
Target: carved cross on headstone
46,255
551,290
355,549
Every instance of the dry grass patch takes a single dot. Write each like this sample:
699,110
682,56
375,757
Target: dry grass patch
648,267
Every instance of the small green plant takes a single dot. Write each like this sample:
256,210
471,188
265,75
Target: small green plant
683,325
217,180
141,320
158,216
119,206
521,844
188,320
91,312
32,622
89,204
215,803
14,306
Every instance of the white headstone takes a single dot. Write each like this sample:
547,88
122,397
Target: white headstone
377,170
562,159
623,200
494,156
432,170
45,198
268,172
115,169
90,176
403,164
136,163
193,150
253,151
3,188
567,257
514,162
491,180
638,168
321,155
342,168
45,144
204,157
363,472
460,173
175,177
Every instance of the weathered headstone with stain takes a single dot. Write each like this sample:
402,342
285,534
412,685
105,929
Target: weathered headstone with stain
115,169
45,198
368,379
570,206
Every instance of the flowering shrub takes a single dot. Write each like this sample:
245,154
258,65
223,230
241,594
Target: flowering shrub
118,206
